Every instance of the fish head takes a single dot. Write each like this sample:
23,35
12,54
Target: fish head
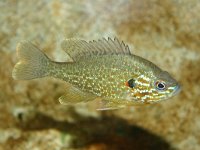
165,86
152,87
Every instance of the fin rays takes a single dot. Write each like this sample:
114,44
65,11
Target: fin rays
32,62
78,49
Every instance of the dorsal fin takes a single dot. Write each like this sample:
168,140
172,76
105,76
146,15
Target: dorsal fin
78,49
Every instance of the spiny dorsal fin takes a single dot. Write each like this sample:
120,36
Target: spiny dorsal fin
78,49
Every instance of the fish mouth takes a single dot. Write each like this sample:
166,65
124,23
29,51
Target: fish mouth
177,89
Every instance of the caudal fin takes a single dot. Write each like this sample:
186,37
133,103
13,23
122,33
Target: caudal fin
33,63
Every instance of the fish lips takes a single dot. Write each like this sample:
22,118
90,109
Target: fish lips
177,89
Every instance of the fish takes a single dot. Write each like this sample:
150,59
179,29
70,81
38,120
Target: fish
104,71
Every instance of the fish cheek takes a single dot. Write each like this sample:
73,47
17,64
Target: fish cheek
158,95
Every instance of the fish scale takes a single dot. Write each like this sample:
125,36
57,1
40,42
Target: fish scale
104,78
104,71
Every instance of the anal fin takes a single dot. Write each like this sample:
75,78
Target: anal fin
106,104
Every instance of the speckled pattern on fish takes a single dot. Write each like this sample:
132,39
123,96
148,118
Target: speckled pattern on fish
103,70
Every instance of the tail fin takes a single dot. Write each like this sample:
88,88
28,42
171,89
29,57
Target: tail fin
33,63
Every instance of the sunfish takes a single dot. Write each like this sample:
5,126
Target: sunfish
103,70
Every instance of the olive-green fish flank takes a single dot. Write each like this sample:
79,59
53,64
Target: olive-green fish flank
103,69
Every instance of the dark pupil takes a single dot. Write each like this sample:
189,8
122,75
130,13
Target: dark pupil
131,83
161,85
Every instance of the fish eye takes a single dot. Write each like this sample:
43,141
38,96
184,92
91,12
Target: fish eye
130,83
160,85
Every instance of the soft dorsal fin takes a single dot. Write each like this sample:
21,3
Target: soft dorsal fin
78,49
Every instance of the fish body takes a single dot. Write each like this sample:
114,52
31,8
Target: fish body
103,70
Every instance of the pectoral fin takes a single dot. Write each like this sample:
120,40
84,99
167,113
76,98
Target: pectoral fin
74,96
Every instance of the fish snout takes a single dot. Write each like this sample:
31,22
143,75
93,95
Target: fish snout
177,89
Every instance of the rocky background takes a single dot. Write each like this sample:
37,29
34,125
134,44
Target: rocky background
166,32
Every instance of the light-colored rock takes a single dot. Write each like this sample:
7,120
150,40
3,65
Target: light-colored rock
165,32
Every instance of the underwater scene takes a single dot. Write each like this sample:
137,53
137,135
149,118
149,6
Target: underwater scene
100,75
